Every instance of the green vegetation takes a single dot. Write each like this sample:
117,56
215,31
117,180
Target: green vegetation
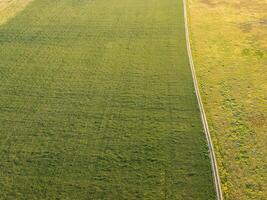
97,102
9,8
229,46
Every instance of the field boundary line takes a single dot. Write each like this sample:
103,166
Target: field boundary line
215,171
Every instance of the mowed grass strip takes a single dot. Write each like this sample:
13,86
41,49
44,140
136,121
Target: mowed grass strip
97,102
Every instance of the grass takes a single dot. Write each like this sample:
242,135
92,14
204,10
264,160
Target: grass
229,47
97,102
9,8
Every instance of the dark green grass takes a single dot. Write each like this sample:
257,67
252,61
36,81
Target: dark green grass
97,102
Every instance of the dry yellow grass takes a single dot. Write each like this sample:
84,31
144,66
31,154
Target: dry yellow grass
229,49
9,8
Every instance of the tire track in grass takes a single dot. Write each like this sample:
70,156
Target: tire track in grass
215,171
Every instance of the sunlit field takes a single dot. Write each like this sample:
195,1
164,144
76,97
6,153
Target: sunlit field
9,9
97,102
229,45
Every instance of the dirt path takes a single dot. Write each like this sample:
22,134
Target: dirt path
215,171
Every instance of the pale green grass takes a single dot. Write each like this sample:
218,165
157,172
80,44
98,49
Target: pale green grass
9,9
229,46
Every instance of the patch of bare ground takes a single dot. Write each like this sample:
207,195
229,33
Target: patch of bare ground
208,2
259,5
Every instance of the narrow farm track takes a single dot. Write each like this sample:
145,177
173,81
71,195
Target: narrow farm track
215,170
97,101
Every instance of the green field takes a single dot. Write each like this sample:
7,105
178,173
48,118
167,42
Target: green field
97,102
